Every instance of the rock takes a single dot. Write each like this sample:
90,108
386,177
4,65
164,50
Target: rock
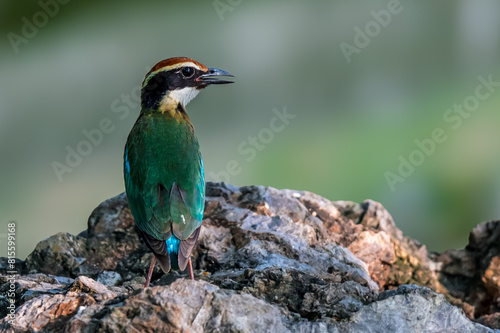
412,309
28,287
109,278
61,254
92,287
471,274
490,320
267,260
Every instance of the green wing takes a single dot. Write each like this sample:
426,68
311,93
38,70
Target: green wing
164,177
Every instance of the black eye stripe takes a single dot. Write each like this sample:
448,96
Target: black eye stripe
158,85
173,79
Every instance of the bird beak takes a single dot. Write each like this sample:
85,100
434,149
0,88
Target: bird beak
208,77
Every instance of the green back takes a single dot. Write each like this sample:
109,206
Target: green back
164,176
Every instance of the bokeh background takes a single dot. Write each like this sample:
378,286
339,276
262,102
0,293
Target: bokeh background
352,119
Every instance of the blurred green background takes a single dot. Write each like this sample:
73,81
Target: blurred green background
352,119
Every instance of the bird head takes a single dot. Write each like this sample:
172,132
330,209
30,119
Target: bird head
177,81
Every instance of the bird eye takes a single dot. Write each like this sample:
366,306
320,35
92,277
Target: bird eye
187,72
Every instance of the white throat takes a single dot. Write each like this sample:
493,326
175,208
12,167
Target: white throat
184,95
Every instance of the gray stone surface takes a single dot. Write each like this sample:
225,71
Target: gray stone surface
109,278
267,261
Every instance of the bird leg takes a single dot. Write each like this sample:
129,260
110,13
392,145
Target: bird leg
190,265
150,272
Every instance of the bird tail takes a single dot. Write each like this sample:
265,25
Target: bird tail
186,247
164,262
178,257
159,249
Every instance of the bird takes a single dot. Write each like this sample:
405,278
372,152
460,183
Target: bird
163,166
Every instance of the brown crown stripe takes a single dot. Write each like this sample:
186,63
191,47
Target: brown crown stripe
172,61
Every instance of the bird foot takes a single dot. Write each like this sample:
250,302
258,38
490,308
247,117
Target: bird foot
191,274
150,272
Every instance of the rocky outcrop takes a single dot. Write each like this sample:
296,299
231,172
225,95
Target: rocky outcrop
267,260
